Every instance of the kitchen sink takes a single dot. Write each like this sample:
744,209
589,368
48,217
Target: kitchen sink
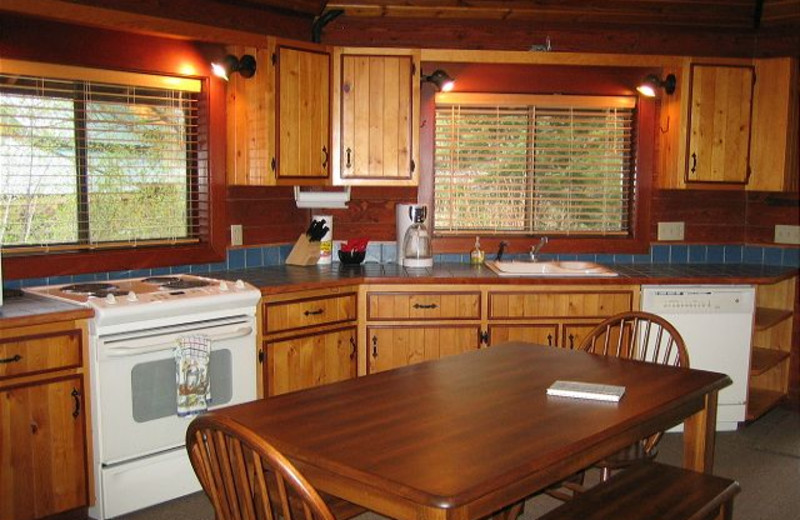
555,269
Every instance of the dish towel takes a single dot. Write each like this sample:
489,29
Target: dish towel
192,356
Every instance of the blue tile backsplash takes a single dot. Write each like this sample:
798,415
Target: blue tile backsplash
385,252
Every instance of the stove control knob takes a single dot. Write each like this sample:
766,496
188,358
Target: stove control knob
239,284
223,286
131,297
111,299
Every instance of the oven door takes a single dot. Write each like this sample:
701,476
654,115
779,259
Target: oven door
136,386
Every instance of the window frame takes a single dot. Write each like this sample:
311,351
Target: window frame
212,240
636,243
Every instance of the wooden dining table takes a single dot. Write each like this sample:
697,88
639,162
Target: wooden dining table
466,436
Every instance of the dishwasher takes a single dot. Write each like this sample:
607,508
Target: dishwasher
716,323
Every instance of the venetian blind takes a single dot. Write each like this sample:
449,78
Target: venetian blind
533,164
97,163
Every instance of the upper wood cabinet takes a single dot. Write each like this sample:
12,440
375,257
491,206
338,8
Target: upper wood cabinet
303,116
720,101
376,117
250,121
773,148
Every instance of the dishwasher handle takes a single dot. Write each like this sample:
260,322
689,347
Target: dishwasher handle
143,346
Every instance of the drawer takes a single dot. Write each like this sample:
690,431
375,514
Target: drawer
310,312
567,304
388,306
36,353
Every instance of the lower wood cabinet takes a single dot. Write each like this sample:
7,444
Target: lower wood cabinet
396,346
309,338
311,360
45,451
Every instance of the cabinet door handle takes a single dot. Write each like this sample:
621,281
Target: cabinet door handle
314,313
347,154
483,338
374,346
353,351
572,342
325,154
425,306
694,162
549,340
12,359
77,396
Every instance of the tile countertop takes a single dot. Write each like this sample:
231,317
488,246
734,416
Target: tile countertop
20,310
279,279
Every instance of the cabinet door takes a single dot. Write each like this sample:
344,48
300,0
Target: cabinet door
42,449
313,360
540,333
719,124
573,334
378,96
303,115
392,347
250,122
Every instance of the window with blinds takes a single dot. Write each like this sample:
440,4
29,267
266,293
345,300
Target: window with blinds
94,164
520,164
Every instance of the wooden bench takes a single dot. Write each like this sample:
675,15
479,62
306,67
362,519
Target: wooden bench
653,491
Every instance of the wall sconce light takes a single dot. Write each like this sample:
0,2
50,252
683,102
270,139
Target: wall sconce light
246,66
442,80
649,87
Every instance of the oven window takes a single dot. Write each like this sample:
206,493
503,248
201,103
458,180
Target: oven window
154,389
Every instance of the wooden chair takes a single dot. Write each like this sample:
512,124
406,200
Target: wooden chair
640,336
246,478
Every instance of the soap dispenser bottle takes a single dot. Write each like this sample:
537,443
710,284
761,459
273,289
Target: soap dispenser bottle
476,256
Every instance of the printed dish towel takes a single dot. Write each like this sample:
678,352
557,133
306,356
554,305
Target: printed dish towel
192,356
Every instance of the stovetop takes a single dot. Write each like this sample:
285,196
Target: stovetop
160,298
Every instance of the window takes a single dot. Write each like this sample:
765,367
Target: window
93,163
527,164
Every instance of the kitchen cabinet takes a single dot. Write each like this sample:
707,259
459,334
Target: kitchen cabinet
553,315
45,446
303,113
309,338
250,121
771,347
376,117
720,101
405,325
774,150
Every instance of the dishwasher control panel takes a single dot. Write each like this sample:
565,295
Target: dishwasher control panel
699,300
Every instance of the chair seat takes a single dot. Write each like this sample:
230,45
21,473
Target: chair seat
627,457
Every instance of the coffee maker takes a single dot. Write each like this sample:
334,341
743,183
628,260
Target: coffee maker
413,237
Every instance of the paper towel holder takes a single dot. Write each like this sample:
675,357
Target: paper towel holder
322,199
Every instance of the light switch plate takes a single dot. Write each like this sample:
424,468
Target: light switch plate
236,235
787,234
670,230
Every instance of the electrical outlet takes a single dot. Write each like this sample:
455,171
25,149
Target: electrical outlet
236,235
670,231
787,234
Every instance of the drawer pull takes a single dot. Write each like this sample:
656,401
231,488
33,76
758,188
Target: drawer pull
77,396
425,306
374,346
549,340
314,313
12,359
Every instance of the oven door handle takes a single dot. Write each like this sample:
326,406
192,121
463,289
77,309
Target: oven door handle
137,347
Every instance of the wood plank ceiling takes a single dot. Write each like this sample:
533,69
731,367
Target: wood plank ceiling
719,14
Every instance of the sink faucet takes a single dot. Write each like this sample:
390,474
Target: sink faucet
501,250
536,247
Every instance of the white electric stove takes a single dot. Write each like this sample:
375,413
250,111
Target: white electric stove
139,440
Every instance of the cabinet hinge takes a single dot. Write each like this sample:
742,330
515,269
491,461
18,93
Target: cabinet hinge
274,58
260,356
484,337
413,166
273,164
413,69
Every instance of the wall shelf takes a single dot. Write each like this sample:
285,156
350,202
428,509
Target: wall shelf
764,359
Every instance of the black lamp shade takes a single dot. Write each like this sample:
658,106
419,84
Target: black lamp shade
246,66
441,79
